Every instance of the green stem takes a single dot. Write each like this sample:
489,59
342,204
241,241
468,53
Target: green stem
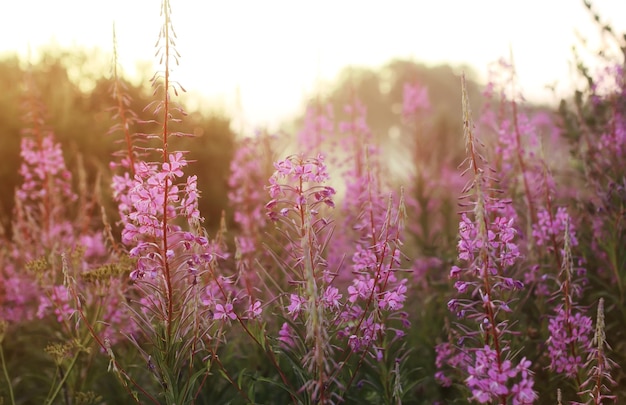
65,376
612,253
6,375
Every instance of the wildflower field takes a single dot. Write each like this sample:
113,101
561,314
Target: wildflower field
341,271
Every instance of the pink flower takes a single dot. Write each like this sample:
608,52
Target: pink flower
331,297
318,127
360,289
296,305
363,259
548,227
415,98
285,335
568,331
173,167
255,310
224,312
393,300
489,381
189,202
60,301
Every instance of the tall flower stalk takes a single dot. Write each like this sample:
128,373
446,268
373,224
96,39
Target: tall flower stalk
570,329
41,222
337,331
485,285
249,170
599,365
298,203
173,264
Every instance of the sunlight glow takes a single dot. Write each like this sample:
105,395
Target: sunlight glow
276,53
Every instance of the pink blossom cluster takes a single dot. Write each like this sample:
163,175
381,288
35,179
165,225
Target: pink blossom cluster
299,200
490,379
355,124
43,171
511,152
45,192
360,177
550,228
377,225
154,198
293,195
330,300
485,282
448,356
318,127
489,254
299,207
151,187
16,293
250,169
61,302
245,195
503,253
612,144
43,227
570,338
414,99
570,329
374,285
227,302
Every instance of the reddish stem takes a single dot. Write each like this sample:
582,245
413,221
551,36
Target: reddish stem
166,111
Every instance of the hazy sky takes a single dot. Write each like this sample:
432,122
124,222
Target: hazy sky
276,51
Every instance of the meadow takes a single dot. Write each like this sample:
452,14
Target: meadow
342,271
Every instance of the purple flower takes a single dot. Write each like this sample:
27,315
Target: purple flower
255,310
548,227
331,297
224,312
415,98
285,336
393,300
487,253
173,167
60,301
570,336
449,357
318,127
489,378
296,305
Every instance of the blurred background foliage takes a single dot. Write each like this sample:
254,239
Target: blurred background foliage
75,88
76,93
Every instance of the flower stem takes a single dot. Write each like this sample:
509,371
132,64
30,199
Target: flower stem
6,375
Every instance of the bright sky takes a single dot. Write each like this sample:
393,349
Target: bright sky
276,51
